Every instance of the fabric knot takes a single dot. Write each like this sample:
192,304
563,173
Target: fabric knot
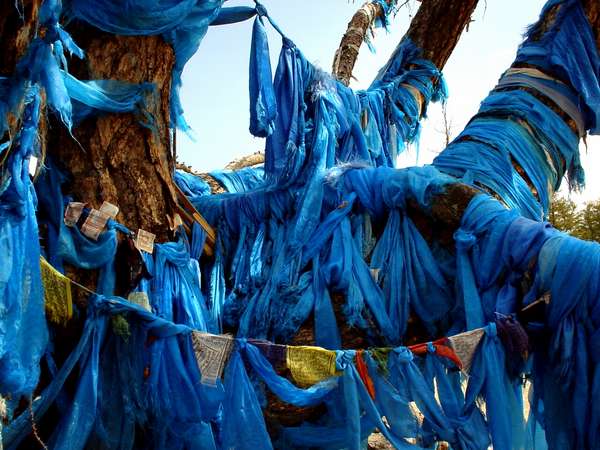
261,10
95,301
430,347
404,354
288,43
464,239
491,329
344,358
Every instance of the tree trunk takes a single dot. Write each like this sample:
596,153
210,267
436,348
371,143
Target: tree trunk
17,29
592,9
114,157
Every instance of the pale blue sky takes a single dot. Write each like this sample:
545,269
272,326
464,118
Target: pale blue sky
215,81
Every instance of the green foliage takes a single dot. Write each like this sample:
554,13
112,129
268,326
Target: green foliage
564,215
590,227
582,222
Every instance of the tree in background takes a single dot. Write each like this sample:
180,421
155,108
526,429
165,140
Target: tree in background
590,224
564,214
582,222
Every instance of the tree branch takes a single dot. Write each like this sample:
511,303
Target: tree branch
436,28
438,25
592,10
349,48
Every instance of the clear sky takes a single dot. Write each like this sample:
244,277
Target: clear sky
215,81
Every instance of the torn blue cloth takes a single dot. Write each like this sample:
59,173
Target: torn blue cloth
68,244
182,23
568,51
23,328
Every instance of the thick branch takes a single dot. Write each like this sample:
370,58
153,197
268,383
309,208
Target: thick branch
358,27
246,161
436,28
438,25
592,10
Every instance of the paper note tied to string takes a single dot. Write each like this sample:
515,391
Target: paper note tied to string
96,220
212,353
109,209
57,294
94,224
465,345
144,241
73,212
310,365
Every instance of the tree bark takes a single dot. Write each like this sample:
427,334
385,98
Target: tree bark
592,10
438,25
358,27
436,28
114,157
17,29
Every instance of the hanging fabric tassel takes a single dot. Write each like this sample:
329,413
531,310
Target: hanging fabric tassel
243,426
263,106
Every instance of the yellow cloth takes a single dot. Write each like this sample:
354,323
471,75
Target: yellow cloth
57,294
309,365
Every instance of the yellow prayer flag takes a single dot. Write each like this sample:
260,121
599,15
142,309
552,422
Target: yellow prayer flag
309,365
57,294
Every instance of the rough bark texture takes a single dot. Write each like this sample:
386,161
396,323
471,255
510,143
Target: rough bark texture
437,26
114,157
246,161
17,28
592,9
358,27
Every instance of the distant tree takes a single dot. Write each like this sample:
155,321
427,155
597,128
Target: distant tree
564,215
583,222
590,221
